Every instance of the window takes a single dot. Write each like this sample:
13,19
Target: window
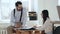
58,2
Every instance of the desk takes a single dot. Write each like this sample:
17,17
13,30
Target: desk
28,32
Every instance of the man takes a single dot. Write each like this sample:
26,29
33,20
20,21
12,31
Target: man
18,14
18,17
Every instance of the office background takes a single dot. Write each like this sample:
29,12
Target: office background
6,7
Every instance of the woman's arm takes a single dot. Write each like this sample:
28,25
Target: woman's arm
45,25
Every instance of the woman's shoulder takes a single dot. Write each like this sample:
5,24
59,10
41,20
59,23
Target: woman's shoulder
48,19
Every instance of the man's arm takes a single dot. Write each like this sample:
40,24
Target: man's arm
24,15
12,19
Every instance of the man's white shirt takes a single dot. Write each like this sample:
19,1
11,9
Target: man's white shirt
17,16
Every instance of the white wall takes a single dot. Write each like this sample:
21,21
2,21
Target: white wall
51,5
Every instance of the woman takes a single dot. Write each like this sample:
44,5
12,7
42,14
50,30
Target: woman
47,25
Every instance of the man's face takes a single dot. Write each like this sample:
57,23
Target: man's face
19,7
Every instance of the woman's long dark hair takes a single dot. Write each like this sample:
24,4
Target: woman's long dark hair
45,15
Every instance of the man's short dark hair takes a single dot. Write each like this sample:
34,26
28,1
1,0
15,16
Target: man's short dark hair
18,3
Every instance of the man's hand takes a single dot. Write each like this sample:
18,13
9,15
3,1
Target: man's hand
34,26
18,24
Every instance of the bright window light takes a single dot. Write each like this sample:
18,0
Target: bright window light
58,2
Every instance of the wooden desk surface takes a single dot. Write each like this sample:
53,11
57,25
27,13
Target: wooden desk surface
29,31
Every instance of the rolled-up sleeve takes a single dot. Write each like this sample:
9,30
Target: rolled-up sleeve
24,16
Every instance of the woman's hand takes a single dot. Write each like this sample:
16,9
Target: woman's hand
34,26
37,27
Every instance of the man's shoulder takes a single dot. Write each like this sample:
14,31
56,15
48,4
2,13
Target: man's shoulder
12,11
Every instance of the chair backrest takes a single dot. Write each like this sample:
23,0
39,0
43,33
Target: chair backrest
57,30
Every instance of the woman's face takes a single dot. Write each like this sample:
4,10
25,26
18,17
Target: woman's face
41,14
